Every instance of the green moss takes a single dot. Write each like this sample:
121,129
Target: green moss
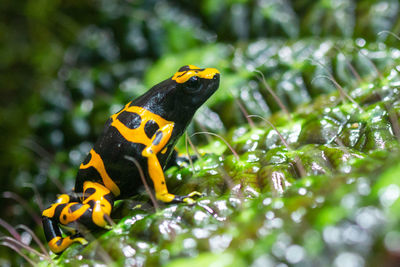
274,196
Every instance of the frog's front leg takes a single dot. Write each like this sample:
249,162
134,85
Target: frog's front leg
157,176
68,211
155,170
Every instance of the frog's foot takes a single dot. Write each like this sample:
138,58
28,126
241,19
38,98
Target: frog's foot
71,213
188,198
170,198
59,244
56,242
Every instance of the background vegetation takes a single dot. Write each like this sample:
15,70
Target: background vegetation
65,66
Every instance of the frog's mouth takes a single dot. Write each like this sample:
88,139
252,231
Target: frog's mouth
214,84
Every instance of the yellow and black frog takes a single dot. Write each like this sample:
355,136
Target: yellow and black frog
146,129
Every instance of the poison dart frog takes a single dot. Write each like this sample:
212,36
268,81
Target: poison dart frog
146,129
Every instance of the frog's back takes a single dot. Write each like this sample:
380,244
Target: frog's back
126,133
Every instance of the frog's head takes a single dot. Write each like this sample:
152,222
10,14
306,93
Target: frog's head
195,85
177,98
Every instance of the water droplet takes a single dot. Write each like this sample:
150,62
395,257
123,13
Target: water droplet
189,243
269,215
280,246
142,245
220,242
389,195
353,234
201,233
320,199
118,231
278,204
200,216
360,42
298,215
369,217
276,223
294,254
348,259
263,261
392,241
26,238
221,205
267,201
56,137
87,105
128,251
363,187
302,191
75,156
331,235
349,201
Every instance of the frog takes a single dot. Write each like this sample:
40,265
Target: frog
145,129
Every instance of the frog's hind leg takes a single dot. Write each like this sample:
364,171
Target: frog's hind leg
97,203
51,219
101,201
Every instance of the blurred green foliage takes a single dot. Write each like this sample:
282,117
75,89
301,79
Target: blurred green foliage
65,66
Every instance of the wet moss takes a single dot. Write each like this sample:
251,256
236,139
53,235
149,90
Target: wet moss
301,192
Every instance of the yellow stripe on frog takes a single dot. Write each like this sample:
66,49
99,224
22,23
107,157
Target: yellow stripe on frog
183,76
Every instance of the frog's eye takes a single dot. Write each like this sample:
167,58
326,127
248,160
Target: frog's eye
192,84
193,81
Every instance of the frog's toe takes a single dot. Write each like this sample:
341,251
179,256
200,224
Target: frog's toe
195,194
79,239
188,198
